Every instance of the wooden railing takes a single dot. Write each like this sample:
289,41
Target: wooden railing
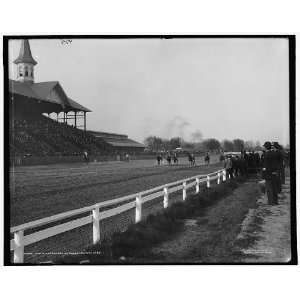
95,213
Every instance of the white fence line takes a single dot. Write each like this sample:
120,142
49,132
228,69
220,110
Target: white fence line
20,240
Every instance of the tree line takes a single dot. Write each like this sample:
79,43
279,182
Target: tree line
155,144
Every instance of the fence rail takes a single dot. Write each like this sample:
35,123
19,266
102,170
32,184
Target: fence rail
20,240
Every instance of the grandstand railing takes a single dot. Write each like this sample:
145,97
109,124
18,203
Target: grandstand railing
20,240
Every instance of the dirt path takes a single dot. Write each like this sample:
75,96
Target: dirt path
269,228
240,228
209,238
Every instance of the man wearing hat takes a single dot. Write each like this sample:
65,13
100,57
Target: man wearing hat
269,173
280,161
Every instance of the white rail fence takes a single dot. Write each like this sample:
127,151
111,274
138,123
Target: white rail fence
96,214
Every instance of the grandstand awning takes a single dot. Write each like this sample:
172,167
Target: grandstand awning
117,140
124,143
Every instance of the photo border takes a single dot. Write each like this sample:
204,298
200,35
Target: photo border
292,132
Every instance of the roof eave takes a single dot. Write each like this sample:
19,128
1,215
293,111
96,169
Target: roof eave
28,61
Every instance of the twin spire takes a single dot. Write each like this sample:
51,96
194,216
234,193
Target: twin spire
25,63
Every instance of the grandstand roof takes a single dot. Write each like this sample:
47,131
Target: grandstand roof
25,55
77,106
117,140
48,92
43,89
123,143
22,88
108,134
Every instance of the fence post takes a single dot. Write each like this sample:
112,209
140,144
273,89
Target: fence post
19,244
138,208
96,225
208,181
219,178
166,197
184,191
197,185
224,175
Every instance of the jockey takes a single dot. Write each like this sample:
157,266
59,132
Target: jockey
207,158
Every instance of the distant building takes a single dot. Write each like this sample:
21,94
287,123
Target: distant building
120,142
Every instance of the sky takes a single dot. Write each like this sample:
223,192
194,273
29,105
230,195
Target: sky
215,88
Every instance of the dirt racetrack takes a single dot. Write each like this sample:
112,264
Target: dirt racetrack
41,191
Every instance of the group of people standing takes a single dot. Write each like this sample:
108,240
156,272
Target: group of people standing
236,165
271,163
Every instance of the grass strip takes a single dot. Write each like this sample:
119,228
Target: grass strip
138,239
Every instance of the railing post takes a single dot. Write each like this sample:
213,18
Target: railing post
197,185
224,175
19,244
138,208
166,197
96,225
219,178
208,181
184,191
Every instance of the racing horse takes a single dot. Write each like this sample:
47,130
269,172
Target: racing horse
192,160
175,159
86,156
159,159
207,158
169,159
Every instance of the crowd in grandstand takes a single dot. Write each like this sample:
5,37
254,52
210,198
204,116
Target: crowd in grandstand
43,136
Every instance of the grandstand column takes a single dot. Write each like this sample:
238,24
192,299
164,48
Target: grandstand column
84,121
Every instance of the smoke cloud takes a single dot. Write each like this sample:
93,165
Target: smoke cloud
180,127
196,136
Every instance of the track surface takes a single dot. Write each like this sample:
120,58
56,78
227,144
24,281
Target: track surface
41,191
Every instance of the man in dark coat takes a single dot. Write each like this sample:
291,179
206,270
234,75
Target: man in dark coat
257,161
235,165
228,166
269,173
280,162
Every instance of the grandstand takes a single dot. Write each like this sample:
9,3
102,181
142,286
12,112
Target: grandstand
119,142
35,132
